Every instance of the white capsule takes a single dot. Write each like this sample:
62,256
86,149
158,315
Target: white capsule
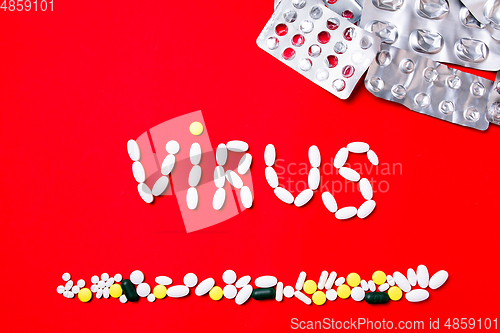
104,277
75,289
237,146
195,153
357,294
372,157
68,285
229,276
177,291
366,189
341,158
172,147
105,293
233,179
60,290
401,281
383,287
284,195
133,150
101,284
168,165
160,186
346,213
190,280
303,297
288,291
331,295
244,294
349,174
137,277
98,294
229,291
123,299
322,280
266,281
204,287
313,178
243,281
219,176
271,177
331,280
371,285
66,277
358,147
219,199
340,281
438,279
221,154
151,298
270,155
303,197
364,285
94,279
314,156
163,280
417,295
118,277
279,291
300,281
412,277
422,276
110,282
192,198
194,176
390,280
366,209
244,164
246,197
138,172
329,202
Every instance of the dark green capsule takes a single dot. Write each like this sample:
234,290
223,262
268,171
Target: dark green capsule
263,293
129,290
376,298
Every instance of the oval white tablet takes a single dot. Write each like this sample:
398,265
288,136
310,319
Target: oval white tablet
364,285
314,156
244,294
233,179
139,172
243,281
246,197
204,287
340,281
303,297
358,147
177,291
163,280
219,176
412,277
371,285
279,292
401,281
266,281
346,213
66,277
366,189
123,299
105,292
331,295
110,282
372,157
190,280
94,279
160,186
366,209
270,155
303,197
357,294
322,280
70,294
229,276
341,158
133,150
349,174
284,195
195,153
237,146
75,289
390,280
422,276
331,280
219,199
137,277
313,178
221,154
168,165
60,290
192,198
68,285
383,287
98,294
300,280
438,279
172,147
244,164
151,298
271,177
229,291
288,291
417,295
329,202
118,277
194,176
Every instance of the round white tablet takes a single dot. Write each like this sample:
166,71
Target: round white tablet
104,277
190,280
66,276
229,277
137,277
172,147
288,291
151,298
123,299
229,291
143,290
94,279
81,283
118,277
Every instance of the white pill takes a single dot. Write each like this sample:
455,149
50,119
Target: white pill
300,281
271,177
366,189
94,279
219,199
229,291
243,281
66,277
194,176
412,277
314,156
390,280
246,197
105,292
80,283
123,299
340,281
341,158
303,297
93,288
192,198
65,293
229,276
372,157
358,147
371,285
313,178
346,213
195,153
168,165
303,197
172,147
219,176
160,186
101,284
143,289
270,155
329,202
244,294
288,291
104,277
151,298
137,277
417,295
266,281
279,291
422,276
70,294
98,294
237,146
331,295
118,277
75,289
190,280
284,195
233,179
163,280
401,281
133,150
68,285
364,285
322,280
60,290
366,209
244,164
349,174
357,294
221,154
110,282
383,287
177,291
331,280
438,279
138,172
145,193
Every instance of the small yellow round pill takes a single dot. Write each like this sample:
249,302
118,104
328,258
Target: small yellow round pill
196,128
395,293
115,290
379,277
216,293
310,287
353,279
319,298
85,295
160,291
343,291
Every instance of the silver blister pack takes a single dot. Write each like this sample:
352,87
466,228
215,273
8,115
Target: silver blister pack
487,12
319,44
494,103
429,87
442,30
348,9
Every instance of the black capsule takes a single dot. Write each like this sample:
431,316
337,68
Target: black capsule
129,290
376,298
263,293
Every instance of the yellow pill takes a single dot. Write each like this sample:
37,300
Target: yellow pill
160,291
353,279
379,277
115,290
319,298
395,293
85,295
310,287
216,293
196,128
343,291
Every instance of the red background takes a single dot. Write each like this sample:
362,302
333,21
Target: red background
77,83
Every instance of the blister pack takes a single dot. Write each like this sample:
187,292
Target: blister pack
428,87
348,9
487,12
442,30
319,44
494,103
